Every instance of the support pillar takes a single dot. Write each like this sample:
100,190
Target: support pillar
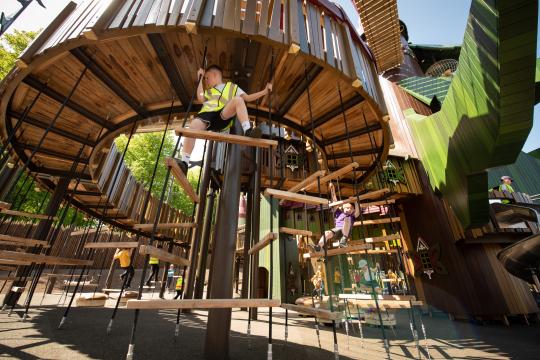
247,244
219,320
255,229
207,229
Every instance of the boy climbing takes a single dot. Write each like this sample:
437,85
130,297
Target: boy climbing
124,257
222,102
344,218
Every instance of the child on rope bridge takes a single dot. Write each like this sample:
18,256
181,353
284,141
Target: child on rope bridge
124,257
344,218
222,102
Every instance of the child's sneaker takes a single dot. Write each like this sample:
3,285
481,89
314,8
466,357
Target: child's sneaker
314,248
343,243
253,132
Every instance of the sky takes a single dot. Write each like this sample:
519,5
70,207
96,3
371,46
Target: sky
425,20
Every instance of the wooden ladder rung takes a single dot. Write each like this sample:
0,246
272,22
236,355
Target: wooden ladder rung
379,297
7,278
333,175
290,231
370,195
302,185
286,195
162,255
376,239
27,214
202,303
384,304
263,243
377,221
103,230
21,241
319,313
112,245
233,139
164,226
339,251
42,259
181,178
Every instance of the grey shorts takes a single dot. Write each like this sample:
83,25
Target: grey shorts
338,232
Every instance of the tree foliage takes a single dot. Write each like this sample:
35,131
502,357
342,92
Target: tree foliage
11,46
141,160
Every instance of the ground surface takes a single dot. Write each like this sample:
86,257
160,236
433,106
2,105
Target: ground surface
84,337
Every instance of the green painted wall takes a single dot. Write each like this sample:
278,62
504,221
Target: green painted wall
487,113
264,255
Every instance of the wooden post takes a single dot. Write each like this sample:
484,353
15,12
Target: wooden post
255,228
247,245
219,320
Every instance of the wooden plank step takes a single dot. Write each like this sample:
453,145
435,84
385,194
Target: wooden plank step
112,245
103,230
7,278
290,231
375,239
162,255
19,244
379,297
333,175
301,186
286,195
370,195
26,214
377,203
339,251
233,139
164,226
263,243
318,313
202,303
21,241
377,221
8,268
181,178
384,304
4,205
12,262
42,259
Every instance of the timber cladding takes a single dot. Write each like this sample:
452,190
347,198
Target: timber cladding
102,66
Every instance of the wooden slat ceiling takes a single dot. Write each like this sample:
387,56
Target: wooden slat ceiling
380,21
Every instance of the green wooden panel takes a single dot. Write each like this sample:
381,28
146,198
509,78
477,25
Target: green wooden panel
426,87
485,118
264,255
525,172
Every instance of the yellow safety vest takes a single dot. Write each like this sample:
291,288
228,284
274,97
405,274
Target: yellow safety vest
153,261
216,100
179,282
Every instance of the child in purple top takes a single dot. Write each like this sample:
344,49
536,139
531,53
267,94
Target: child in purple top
344,218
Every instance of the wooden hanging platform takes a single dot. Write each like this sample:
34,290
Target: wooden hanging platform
318,313
8,268
340,251
43,259
384,304
103,230
290,231
377,221
112,245
376,239
202,303
26,214
370,195
377,203
286,195
301,186
379,297
4,205
233,139
333,175
161,226
14,262
181,179
263,243
7,278
162,255
21,241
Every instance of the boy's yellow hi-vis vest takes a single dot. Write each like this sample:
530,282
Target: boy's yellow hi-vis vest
179,282
216,100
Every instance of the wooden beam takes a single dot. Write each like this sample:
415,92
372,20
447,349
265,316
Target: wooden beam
202,304
53,94
232,139
162,255
300,88
112,245
53,153
377,221
286,195
301,186
181,178
266,240
357,99
290,231
384,304
376,239
355,133
339,251
334,175
26,214
367,196
102,75
346,154
318,313
89,231
169,66
42,259
164,226
379,297
22,241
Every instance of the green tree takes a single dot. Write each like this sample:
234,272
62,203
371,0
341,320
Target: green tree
141,159
11,46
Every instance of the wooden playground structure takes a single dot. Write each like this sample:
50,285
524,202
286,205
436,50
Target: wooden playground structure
106,68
